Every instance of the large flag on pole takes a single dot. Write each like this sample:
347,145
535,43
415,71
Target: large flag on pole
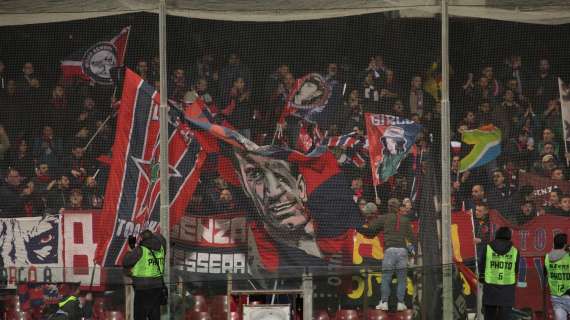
486,143
565,108
390,139
95,63
133,189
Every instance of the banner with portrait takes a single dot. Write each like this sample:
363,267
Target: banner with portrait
390,140
51,249
31,249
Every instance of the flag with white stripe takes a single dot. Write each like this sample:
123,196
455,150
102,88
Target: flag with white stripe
95,63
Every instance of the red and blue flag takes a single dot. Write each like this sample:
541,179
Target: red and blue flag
133,189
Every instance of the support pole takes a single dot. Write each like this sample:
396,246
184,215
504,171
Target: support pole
229,289
163,159
307,296
446,251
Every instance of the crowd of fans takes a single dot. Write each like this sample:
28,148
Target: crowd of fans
49,162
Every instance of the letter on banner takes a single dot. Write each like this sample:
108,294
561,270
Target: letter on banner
79,248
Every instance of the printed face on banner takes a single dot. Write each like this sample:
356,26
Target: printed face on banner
394,141
391,138
31,250
29,241
98,62
310,95
279,194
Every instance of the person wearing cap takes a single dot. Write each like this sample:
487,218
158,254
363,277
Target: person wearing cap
399,241
547,161
369,211
557,271
145,262
499,264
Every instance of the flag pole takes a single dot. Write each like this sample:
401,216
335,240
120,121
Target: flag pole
163,160
416,176
565,138
376,194
99,130
479,301
446,250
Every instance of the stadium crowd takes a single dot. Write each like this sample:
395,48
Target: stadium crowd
50,163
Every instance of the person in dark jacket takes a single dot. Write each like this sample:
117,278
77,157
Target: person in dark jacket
482,226
503,197
58,192
499,266
69,308
145,262
399,239
12,195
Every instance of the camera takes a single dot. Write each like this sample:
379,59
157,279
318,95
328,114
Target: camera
132,242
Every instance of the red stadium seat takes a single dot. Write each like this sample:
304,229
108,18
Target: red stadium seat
224,316
198,315
200,303
402,315
322,315
346,315
114,315
12,303
374,314
98,308
219,303
19,315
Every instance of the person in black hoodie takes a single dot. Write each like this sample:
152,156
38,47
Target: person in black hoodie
499,266
557,271
145,262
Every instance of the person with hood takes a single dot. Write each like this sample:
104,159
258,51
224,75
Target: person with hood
499,265
146,264
399,241
557,271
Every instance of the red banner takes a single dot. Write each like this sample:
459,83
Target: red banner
542,186
133,188
534,238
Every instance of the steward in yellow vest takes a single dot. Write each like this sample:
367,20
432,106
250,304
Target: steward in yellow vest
145,270
557,271
145,263
498,269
